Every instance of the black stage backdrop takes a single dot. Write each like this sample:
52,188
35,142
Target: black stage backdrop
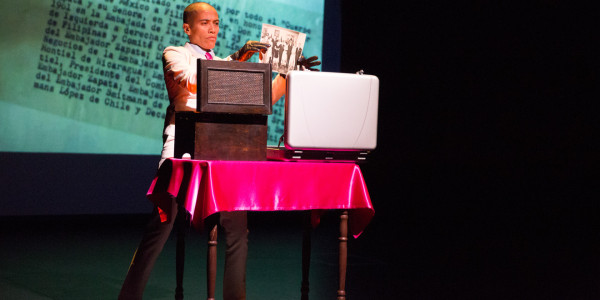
484,147
485,142
484,108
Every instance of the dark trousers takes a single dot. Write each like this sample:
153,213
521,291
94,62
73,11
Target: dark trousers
156,234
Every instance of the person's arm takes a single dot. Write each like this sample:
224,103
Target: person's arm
178,69
246,52
278,87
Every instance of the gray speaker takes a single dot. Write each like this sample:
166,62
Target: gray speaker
234,87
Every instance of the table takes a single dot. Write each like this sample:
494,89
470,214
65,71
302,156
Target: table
205,188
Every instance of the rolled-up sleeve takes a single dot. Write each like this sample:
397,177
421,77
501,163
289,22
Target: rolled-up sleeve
179,68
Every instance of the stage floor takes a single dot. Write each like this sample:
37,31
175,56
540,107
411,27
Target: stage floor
86,257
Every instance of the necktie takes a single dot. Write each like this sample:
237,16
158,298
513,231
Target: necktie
208,56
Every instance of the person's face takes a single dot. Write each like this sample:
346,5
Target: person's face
203,27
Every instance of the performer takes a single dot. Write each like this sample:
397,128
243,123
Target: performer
298,51
276,41
267,57
288,51
201,24
281,51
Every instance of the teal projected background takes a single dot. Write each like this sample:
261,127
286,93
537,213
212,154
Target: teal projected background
86,76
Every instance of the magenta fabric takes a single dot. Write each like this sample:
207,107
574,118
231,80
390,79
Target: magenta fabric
209,187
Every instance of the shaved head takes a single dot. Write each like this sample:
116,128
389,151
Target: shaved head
191,10
201,24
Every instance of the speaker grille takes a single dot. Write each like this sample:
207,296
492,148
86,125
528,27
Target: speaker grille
235,87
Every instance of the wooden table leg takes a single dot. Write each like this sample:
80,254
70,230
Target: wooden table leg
182,225
306,245
211,270
343,258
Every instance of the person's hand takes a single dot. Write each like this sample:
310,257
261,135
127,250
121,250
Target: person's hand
308,63
251,47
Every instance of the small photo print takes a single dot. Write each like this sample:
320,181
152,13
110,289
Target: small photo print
286,47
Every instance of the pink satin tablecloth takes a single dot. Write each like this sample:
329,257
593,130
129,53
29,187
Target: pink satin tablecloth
208,187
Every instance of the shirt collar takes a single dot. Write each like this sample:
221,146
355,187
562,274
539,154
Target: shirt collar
201,51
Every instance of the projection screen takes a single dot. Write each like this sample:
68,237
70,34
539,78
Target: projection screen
86,76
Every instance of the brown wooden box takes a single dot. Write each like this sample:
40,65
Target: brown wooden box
212,136
234,99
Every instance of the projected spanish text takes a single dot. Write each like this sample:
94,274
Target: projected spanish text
99,62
